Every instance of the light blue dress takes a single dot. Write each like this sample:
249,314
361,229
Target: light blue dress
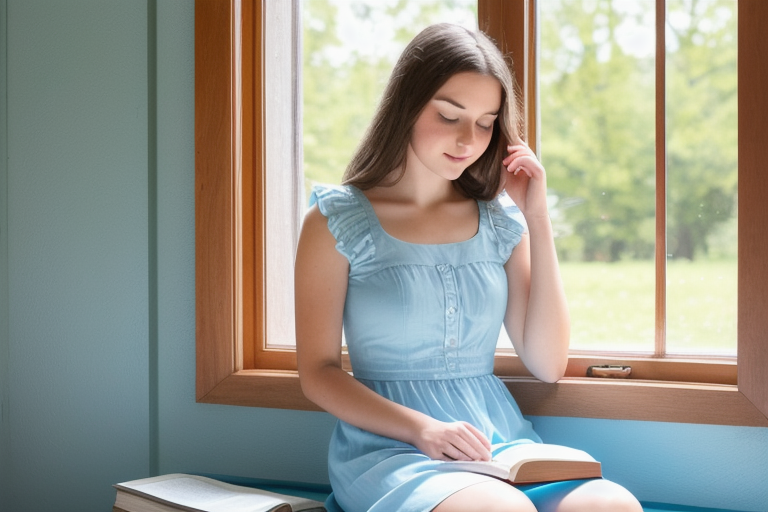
421,325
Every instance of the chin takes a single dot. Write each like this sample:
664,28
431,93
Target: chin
454,177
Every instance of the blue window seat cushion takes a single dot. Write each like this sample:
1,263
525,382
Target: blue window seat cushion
320,492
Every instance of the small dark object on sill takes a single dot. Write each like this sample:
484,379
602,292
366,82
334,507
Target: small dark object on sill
609,371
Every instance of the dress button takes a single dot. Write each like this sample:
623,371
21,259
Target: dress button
452,342
451,310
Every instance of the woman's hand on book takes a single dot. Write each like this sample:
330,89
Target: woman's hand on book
453,441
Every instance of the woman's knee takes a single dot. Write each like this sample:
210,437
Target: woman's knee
598,496
613,503
490,496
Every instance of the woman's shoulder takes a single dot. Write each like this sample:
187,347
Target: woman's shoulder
346,219
507,222
333,198
340,204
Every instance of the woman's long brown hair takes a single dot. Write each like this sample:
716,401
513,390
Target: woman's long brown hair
430,59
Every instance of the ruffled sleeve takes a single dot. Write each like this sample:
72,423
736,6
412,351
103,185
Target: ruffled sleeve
347,222
507,222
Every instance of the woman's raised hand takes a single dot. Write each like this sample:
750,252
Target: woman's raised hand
453,441
525,180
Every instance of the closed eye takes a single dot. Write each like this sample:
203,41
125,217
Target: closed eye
487,122
448,119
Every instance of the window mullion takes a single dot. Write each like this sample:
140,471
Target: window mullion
661,182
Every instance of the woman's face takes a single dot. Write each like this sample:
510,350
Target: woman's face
455,127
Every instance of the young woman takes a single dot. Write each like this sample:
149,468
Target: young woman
420,261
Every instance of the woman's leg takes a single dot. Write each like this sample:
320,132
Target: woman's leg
584,496
489,496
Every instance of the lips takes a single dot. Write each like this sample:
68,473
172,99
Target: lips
456,159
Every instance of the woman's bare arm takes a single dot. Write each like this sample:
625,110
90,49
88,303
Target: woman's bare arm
537,317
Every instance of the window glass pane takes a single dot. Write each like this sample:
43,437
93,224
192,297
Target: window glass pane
349,49
702,176
597,104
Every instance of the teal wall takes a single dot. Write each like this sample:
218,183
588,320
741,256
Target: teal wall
97,288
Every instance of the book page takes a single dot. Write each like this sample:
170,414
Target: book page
517,454
209,495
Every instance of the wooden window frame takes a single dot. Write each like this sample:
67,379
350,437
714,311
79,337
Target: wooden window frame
234,365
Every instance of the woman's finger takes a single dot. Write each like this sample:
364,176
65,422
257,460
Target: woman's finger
473,443
460,449
517,154
515,167
480,436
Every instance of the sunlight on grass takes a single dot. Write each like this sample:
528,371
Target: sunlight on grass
612,306
701,307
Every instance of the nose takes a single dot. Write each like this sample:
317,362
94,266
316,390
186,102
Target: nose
466,136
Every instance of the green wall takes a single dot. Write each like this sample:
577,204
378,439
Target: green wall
97,288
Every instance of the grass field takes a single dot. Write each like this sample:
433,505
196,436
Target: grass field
612,306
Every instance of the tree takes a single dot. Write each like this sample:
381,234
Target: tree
597,111
702,123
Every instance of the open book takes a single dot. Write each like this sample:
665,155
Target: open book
175,492
533,463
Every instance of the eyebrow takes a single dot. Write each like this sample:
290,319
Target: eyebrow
459,105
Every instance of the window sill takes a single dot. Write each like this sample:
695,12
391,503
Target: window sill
714,404
641,400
